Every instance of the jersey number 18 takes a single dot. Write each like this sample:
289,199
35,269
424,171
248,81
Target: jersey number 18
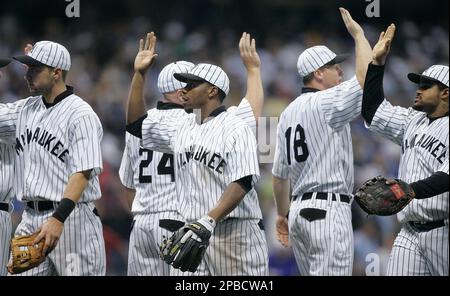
300,148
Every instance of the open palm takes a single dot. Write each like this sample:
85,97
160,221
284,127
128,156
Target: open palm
383,46
146,55
247,49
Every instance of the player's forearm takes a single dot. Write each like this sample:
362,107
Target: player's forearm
130,193
373,94
136,103
76,185
363,53
255,91
281,193
436,184
229,200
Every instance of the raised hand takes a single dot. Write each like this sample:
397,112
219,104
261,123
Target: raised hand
146,55
247,49
382,48
352,27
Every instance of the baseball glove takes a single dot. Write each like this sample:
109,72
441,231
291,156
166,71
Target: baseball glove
25,255
186,247
376,197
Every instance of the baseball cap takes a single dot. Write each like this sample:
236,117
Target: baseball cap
436,73
315,57
167,82
4,62
206,72
47,53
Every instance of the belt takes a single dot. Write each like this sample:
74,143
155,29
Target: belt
4,207
42,206
323,195
426,226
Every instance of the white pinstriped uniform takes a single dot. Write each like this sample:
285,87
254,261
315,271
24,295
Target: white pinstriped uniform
6,194
424,152
52,144
157,199
208,158
314,151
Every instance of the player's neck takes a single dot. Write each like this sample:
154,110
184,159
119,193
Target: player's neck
54,92
316,85
207,109
440,111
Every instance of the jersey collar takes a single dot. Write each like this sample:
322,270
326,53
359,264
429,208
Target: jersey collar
431,119
216,112
167,106
60,97
309,90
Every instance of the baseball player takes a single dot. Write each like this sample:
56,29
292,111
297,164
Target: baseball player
215,162
150,181
314,159
6,193
58,159
421,247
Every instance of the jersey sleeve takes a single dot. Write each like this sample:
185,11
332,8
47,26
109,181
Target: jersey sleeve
9,114
159,132
391,121
245,112
241,155
84,149
126,172
280,167
342,103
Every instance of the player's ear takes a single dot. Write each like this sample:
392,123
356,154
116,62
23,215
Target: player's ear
318,74
444,94
57,74
213,91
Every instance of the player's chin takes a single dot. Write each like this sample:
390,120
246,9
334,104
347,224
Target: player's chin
417,106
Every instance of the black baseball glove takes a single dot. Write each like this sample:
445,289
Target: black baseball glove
376,197
187,246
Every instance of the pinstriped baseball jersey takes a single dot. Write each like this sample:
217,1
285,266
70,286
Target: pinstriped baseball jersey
444,167
152,173
314,147
52,144
424,151
208,157
7,157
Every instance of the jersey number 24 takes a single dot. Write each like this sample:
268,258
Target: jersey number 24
300,148
165,166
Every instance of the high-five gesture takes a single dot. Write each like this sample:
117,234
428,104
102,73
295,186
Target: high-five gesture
383,46
247,49
146,55
352,27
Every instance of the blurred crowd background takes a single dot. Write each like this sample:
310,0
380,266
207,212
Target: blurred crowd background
103,42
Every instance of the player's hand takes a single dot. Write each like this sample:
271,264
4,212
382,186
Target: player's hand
352,27
282,229
146,55
50,231
381,49
247,49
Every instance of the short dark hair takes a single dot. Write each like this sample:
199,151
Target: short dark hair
441,86
222,95
308,78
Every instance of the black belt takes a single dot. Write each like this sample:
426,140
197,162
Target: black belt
4,207
426,226
323,195
42,206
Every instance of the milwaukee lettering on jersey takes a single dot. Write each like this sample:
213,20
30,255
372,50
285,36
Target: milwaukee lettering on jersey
44,139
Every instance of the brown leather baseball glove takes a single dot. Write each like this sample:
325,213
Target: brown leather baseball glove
25,255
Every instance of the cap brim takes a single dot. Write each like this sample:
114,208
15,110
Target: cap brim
185,77
4,62
416,78
29,61
339,59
